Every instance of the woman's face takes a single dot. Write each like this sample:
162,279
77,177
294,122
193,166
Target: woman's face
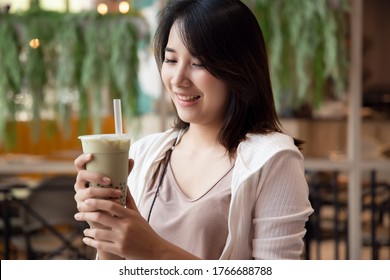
199,97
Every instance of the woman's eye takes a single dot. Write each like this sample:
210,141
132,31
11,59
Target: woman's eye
199,65
169,60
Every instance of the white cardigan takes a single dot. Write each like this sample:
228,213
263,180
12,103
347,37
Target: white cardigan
269,203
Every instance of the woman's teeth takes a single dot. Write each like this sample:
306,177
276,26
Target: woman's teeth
189,98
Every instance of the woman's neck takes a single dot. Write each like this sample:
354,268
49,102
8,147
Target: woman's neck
201,138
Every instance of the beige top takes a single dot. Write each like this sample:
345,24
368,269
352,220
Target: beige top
200,225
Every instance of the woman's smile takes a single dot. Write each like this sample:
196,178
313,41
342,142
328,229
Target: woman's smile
187,100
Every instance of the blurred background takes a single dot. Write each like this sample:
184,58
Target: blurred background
63,61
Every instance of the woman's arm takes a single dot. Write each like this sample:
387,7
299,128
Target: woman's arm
282,208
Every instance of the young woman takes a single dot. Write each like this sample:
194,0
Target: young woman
224,182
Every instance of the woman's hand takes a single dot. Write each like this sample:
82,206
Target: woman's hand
115,230
126,233
83,192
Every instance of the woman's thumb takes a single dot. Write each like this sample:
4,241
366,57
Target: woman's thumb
130,203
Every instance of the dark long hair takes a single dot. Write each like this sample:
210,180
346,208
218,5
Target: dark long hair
226,38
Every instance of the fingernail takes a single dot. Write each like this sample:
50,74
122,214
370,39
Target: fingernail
87,156
106,180
77,216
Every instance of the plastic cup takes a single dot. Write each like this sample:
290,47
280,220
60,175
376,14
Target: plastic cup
110,158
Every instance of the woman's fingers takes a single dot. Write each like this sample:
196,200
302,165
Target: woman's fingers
104,212
85,176
99,234
96,217
81,161
114,209
93,192
105,246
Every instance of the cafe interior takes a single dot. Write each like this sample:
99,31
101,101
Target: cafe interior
63,61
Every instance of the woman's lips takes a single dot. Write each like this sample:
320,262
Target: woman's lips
188,98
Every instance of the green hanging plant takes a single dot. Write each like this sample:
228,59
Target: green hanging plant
10,80
123,58
70,49
94,71
306,47
35,74
76,61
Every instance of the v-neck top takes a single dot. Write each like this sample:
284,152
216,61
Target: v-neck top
200,225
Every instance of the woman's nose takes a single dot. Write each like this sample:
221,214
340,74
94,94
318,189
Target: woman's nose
180,77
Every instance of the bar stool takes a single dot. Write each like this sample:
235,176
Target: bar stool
50,230
376,200
9,221
324,190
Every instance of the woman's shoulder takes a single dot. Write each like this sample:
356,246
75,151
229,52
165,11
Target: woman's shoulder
257,149
273,141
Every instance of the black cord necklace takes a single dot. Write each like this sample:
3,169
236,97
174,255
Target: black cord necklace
167,159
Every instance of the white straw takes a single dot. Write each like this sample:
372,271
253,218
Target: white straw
118,116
